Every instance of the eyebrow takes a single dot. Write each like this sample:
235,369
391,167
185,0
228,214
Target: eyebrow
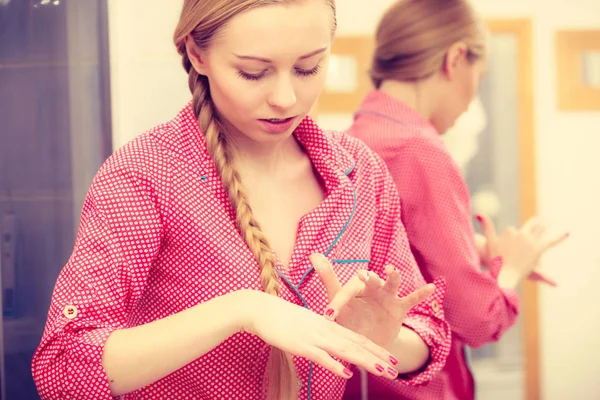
266,60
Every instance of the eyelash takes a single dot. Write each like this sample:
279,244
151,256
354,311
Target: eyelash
300,72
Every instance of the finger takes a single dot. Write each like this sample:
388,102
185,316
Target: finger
364,353
487,227
539,230
418,296
393,281
532,224
326,273
538,276
352,289
510,231
557,240
372,281
322,358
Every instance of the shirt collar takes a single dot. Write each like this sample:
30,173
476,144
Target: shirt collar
329,158
382,104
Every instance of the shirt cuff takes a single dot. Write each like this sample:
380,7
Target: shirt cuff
495,266
85,372
427,320
84,348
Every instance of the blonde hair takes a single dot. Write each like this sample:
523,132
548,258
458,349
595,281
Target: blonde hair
202,20
414,36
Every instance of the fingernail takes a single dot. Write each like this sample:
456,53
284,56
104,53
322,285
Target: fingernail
392,371
379,368
479,218
329,313
393,360
347,372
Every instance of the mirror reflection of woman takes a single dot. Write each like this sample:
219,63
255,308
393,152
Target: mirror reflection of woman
430,57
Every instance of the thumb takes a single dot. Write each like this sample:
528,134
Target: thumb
327,274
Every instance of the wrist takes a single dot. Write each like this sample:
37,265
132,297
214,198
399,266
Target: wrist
410,350
243,305
509,277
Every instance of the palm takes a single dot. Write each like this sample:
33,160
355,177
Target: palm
367,304
370,317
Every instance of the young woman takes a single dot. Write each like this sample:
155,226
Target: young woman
430,56
191,277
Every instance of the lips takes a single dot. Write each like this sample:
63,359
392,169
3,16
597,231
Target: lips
277,125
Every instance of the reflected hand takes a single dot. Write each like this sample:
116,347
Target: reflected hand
520,249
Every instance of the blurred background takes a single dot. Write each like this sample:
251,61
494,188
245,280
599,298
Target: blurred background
80,78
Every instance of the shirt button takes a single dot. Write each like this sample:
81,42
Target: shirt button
70,311
435,306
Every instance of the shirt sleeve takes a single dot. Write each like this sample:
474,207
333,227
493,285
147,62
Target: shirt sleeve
119,236
391,247
436,212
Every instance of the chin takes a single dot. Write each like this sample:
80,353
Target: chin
262,136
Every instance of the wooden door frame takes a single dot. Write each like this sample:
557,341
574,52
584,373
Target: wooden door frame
521,29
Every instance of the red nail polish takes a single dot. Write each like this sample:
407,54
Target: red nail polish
329,313
393,360
392,371
347,372
479,218
379,368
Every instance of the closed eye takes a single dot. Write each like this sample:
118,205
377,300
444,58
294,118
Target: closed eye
308,72
298,71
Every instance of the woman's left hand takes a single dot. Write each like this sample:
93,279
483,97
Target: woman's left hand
367,304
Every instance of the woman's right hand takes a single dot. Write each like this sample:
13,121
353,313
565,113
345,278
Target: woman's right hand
301,332
520,249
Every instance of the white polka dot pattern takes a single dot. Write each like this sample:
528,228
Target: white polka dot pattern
157,236
436,212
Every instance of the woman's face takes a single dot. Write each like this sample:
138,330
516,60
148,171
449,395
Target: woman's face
267,67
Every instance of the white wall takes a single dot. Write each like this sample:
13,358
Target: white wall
148,83
149,86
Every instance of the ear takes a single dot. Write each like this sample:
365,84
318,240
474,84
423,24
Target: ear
455,55
197,57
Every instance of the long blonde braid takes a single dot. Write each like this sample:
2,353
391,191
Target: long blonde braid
281,375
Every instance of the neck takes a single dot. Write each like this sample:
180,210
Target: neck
268,158
419,95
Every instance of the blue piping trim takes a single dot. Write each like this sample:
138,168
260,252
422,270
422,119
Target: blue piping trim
347,223
310,371
350,170
350,261
305,275
296,288
336,238
310,374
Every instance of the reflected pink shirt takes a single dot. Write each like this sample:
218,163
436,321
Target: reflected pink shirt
436,213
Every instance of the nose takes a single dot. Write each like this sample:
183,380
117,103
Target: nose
283,93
